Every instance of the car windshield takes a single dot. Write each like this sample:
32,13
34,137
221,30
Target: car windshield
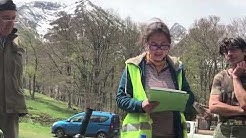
77,118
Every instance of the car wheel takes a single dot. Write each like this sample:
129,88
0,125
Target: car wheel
101,135
59,133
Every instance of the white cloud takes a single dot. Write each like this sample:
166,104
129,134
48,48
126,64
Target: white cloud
236,3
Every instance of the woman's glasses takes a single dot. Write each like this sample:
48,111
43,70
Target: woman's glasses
154,47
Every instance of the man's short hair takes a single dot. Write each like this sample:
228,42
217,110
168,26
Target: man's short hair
7,5
236,42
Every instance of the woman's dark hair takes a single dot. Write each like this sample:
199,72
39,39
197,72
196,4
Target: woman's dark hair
155,27
236,42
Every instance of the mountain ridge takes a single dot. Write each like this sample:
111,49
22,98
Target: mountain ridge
39,15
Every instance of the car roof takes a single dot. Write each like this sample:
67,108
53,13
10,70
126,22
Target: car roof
99,113
102,113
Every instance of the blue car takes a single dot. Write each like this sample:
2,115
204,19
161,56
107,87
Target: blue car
101,125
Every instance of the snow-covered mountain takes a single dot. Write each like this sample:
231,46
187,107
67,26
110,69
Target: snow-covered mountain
178,32
39,15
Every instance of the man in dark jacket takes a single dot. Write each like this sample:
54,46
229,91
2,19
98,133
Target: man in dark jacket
12,102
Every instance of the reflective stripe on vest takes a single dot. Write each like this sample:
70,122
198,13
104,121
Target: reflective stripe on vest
136,127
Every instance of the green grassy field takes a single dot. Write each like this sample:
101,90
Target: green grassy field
43,111
34,130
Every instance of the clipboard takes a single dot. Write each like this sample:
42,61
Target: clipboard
169,99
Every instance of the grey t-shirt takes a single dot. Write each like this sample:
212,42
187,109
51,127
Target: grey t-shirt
162,121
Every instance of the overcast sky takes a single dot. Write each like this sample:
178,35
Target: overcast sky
185,12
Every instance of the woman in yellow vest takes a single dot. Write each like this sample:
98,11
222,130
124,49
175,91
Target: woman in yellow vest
153,68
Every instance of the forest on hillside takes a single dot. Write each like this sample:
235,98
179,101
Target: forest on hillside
81,59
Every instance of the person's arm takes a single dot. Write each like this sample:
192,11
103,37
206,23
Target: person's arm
124,95
239,91
220,108
216,105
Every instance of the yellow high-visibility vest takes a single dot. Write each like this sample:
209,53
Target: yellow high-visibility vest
137,124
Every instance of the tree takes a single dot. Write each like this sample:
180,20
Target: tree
199,52
31,43
85,51
237,28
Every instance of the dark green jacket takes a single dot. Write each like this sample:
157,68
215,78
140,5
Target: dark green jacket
11,71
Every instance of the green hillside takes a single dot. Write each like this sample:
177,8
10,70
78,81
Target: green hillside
43,111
